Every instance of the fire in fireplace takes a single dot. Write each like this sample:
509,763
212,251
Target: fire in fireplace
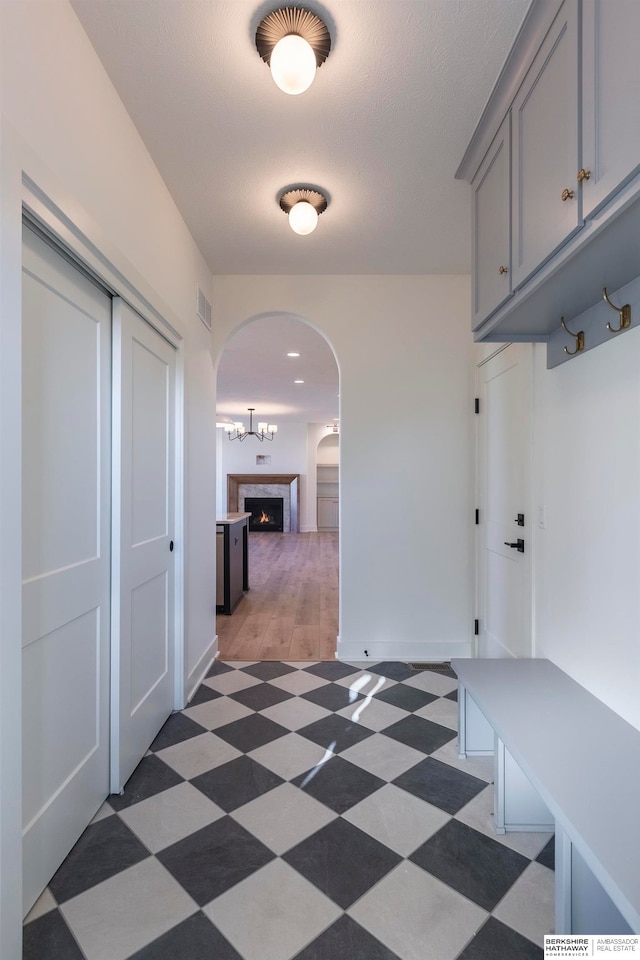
267,513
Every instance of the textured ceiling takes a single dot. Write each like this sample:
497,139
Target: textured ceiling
381,130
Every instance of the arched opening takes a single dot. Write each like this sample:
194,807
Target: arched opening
285,369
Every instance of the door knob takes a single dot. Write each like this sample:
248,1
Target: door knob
518,545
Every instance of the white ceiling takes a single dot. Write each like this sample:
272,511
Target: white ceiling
381,131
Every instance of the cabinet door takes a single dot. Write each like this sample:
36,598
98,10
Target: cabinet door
491,227
610,71
545,149
327,513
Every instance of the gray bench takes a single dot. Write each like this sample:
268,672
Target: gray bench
563,759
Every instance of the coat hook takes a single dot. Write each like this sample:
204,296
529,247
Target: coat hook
579,338
623,312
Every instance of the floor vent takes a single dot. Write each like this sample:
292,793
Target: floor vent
431,666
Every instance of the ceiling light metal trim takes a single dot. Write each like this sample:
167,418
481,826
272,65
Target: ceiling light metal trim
290,197
293,20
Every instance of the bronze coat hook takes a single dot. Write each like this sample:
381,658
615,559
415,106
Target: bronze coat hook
579,338
623,312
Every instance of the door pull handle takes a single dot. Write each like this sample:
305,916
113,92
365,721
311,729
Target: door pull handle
518,545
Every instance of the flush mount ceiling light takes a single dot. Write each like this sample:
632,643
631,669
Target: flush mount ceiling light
293,42
303,206
265,431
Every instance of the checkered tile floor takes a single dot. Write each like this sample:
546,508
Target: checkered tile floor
314,811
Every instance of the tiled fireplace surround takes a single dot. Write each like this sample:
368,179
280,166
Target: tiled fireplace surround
285,485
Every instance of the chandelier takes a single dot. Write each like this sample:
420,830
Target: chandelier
236,431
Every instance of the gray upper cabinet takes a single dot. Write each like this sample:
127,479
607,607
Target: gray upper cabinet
554,168
546,207
610,72
492,227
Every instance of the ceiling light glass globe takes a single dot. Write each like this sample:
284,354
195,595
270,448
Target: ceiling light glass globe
293,64
303,218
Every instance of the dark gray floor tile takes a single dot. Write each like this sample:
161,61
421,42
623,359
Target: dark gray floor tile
218,667
393,670
440,784
495,941
342,861
203,694
194,939
268,669
332,696
547,856
331,669
177,728
104,849
213,859
233,784
452,696
473,864
335,733
407,698
150,777
422,734
251,732
49,938
346,940
338,784
261,696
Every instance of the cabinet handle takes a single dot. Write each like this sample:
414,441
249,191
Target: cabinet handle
567,194
583,174
503,270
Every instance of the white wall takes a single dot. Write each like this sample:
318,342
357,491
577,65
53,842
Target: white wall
587,454
64,126
405,357
329,449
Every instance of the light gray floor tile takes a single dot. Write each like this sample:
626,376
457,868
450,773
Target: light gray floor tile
382,756
478,813
291,755
215,713
409,908
119,916
44,904
437,683
192,757
285,910
299,682
106,810
366,683
296,713
529,905
441,711
231,682
171,815
240,664
283,817
396,818
481,767
373,714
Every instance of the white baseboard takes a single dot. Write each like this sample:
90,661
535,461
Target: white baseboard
409,651
308,528
200,670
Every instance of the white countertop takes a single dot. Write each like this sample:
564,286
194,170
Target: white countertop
232,517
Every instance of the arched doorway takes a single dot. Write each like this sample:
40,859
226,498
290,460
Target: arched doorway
286,370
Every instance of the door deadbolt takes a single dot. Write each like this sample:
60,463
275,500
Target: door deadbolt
518,545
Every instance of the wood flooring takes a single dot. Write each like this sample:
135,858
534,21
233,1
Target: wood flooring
291,609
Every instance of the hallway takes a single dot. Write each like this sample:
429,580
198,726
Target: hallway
291,609
301,810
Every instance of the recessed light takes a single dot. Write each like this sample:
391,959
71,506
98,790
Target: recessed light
298,381
293,354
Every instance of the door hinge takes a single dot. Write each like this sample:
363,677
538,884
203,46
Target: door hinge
476,628
476,404
477,516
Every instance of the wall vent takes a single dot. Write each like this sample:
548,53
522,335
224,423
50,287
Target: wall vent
204,309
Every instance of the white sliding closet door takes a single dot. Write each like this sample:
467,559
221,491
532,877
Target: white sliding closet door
66,470
143,656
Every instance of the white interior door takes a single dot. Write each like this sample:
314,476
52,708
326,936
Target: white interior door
504,467
143,656
66,471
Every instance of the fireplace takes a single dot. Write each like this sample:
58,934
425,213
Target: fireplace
267,513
